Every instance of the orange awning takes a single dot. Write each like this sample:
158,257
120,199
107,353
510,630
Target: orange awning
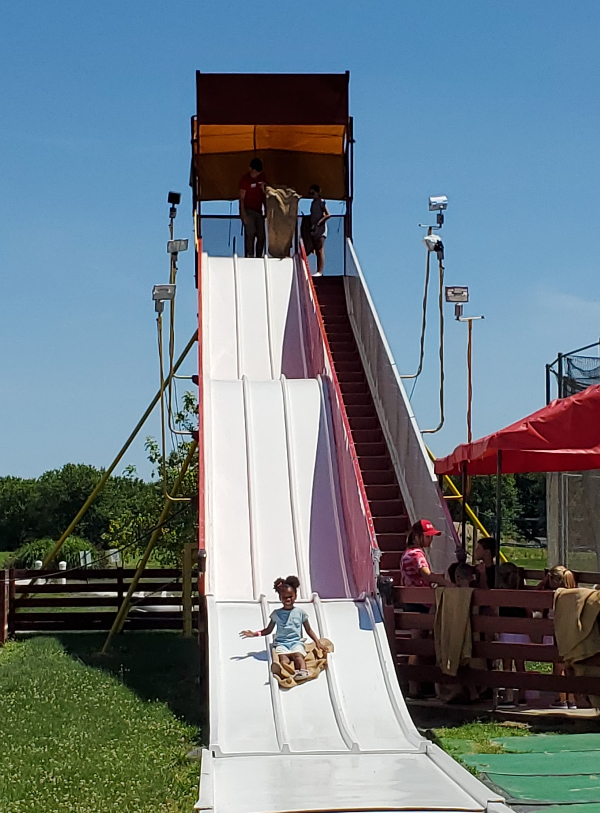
325,139
298,124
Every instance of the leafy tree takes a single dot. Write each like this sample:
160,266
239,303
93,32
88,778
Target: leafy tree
482,499
16,499
131,528
532,497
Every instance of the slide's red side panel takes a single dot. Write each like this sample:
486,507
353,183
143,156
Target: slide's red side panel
357,514
201,473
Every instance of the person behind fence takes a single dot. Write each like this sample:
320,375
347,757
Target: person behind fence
510,577
289,621
486,552
558,576
319,215
416,572
252,203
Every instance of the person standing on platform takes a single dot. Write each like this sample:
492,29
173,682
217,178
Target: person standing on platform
319,215
252,202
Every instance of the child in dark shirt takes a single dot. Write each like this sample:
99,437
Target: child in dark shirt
510,577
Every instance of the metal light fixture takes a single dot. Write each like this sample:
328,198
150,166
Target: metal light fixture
174,198
175,246
439,204
162,294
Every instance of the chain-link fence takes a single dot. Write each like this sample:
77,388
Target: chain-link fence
573,498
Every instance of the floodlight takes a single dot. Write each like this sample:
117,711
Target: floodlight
175,246
457,293
174,198
162,294
438,203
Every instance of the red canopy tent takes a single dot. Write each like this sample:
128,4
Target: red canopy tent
563,436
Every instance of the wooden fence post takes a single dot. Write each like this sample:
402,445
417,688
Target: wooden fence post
12,593
186,587
120,587
4,604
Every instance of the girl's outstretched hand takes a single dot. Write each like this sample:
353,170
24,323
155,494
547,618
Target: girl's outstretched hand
247,634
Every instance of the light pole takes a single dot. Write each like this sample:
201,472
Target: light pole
459,295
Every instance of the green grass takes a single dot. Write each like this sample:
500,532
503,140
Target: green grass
84,733
476,738
528,558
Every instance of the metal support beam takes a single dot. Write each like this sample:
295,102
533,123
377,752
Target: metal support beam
124,608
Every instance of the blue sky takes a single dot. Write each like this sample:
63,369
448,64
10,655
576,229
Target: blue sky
491,103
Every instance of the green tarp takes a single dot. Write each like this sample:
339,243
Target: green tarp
551,743
561,789
564,763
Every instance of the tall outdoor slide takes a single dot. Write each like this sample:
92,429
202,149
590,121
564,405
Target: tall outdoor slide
281,498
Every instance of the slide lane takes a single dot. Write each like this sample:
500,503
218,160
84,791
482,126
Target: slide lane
252,319
272,490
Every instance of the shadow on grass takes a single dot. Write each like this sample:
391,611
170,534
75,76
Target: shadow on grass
159,666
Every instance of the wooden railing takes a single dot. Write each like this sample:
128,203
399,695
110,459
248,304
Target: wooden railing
88,599
486,624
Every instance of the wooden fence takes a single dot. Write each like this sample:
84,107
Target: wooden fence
486,624
88,599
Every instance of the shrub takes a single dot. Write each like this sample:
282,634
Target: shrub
30,552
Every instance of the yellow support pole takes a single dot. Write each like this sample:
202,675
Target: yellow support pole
102,481
456,495
124,608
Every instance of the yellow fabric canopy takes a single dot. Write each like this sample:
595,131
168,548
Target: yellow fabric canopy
326,139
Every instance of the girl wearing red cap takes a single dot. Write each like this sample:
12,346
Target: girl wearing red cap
414,567
415,572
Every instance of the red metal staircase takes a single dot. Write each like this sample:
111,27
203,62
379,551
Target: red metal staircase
383,492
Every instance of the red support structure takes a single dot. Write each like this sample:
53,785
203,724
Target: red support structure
201,472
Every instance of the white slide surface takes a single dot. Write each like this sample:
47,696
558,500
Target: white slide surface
345,741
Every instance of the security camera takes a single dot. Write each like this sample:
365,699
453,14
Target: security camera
438,203
433,242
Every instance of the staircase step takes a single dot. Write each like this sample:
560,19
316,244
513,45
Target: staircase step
367,436
390,492
333,309
377,449
354,386
362,423
358,399
341,356
389,525
352,378
387,508
392,542
334,319
378,463
378,477
361,411
390,560
348,366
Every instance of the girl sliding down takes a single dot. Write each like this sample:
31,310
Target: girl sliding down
289,621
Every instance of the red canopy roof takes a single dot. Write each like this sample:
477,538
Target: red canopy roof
563,436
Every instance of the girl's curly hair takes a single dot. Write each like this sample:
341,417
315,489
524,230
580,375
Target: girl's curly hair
291,581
